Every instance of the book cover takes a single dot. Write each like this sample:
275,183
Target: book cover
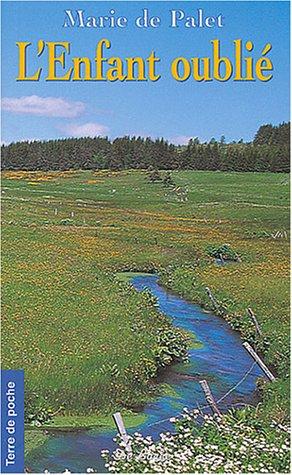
145,237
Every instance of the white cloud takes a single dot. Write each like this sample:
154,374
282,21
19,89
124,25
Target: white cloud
43,106
180,139
90,129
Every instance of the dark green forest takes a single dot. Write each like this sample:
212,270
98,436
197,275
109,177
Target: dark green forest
269,151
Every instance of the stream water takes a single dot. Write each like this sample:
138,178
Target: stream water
220,359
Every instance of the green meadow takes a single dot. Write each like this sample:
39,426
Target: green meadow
88,342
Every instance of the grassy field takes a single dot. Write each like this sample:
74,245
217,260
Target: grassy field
88,342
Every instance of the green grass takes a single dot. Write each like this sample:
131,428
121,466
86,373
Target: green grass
92,421
127,276
33,439
66,315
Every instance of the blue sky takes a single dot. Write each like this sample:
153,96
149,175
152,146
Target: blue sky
176,111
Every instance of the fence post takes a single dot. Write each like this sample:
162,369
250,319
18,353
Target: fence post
122,431
221,258
238,258
259,361
209,397
212,298
253,317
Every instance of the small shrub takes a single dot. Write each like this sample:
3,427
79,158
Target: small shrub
37,411
223,250
154,176
168,180
172,346
67,222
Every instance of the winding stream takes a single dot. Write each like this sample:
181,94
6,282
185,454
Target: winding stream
221,360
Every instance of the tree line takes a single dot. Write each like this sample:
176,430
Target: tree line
269,151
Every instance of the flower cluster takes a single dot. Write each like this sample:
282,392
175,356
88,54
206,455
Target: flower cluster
228,444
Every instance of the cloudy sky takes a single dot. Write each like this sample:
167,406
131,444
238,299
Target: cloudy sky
176,111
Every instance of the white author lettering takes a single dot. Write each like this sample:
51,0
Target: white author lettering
177,19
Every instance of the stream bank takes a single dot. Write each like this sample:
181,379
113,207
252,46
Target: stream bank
221,360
